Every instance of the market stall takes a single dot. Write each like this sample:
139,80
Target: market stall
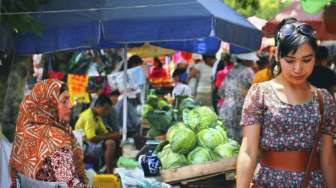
193,25
194,143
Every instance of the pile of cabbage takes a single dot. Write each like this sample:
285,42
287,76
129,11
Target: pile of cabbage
158,113
200,137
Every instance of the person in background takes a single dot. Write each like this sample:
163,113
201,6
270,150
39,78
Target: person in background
233,91
181,88
134,61
44,147
280,119
133,118
157,71
98,139
194,76
265,72
322,76
111,120
212,62
220,76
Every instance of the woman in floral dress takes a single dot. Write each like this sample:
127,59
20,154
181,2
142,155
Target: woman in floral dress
282,115
44,147
233,91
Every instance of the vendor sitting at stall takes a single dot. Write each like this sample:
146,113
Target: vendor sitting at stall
97,138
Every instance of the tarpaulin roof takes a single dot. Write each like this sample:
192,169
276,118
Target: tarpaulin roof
190,25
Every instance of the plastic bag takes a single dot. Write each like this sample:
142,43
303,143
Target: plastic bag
135,178
124,162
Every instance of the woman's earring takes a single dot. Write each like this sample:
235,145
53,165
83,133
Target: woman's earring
276,70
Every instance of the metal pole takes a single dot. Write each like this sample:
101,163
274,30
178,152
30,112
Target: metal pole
125,94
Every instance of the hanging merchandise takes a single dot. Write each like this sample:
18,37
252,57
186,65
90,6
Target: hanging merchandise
135,78
77,85
313,6
186,56
55,75
95,84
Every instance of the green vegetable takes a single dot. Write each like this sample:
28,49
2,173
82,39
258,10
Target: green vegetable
183,141
186,103
162,103
152,100
201,118
220,123
210,138
228,149
214,155
153,132
172,130
160,120
234,143
170,159
199,155
160,147
222,131
146,110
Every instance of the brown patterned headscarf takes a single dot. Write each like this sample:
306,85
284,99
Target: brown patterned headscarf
39,132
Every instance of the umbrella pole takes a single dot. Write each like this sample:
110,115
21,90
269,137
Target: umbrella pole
125,94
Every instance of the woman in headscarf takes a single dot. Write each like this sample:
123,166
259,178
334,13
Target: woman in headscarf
44,147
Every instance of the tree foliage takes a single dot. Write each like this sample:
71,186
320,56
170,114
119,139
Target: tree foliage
13,16
265,9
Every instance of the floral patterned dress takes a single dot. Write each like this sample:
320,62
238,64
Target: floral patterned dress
234,89
59,167
286,127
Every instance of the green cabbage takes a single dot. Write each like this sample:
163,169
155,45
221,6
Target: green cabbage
214,155
186,103
160,147
223,133
201,118
172,130
228,149
160,120
153,132
234,143
210,138
199,155
162,103
220,123
170,159
152,100
183,141
146,110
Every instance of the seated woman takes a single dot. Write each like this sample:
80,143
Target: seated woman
44,147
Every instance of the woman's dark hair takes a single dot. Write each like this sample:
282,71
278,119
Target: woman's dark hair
157,60
263,60
285,21
322,53
102,100
134,61
291,43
